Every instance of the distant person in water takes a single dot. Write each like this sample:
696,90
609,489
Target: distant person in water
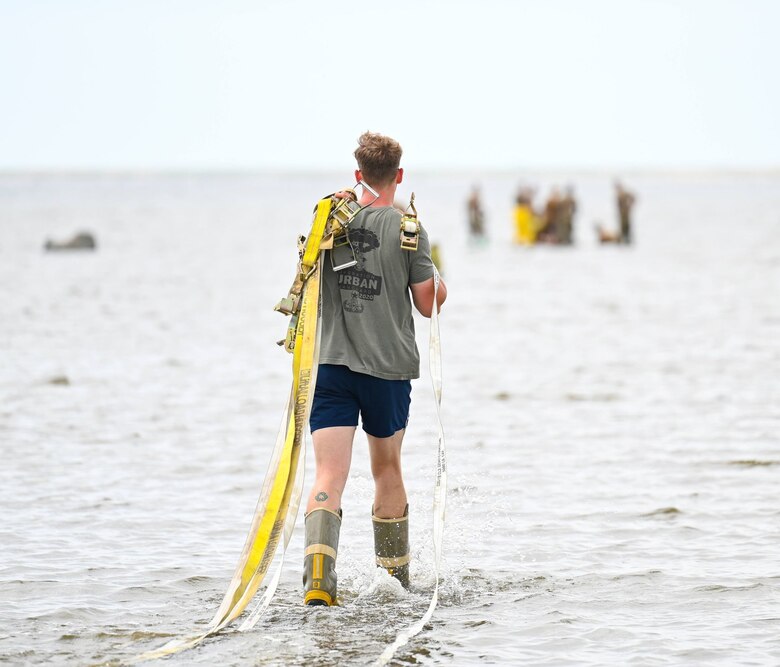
551,221
476,216
625,201
526,222
625,204
565,219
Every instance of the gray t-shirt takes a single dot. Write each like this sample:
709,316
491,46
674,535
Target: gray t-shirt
367,321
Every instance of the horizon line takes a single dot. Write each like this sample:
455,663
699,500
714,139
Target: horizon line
426,171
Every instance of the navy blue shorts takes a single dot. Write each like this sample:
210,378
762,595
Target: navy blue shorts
341,394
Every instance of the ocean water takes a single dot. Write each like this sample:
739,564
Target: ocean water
612,418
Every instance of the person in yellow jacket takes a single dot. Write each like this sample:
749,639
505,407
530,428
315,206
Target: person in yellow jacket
526,222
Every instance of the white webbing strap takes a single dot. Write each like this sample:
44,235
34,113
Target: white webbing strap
439,489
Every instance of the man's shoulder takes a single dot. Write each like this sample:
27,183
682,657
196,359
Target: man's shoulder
382,213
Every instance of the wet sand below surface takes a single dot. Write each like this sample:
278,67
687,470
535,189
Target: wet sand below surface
612,419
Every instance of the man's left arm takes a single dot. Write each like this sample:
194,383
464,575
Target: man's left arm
422,296
421,271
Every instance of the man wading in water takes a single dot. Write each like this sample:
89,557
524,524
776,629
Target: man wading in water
368,355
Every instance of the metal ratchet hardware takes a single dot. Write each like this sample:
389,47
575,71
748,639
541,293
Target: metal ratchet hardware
410,228
343,213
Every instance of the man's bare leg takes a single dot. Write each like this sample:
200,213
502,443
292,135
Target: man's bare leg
333,455
390,494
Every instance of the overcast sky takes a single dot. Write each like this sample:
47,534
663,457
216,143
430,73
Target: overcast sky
267,84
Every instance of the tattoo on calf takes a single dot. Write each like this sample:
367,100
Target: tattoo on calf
321,497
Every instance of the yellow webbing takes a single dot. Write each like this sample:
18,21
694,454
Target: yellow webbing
312,250
309,257
280,480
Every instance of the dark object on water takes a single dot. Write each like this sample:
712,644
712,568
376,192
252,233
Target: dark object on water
81,241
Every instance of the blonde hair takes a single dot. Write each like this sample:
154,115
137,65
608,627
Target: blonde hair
378,157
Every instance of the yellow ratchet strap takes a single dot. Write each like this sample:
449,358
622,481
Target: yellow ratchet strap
309,253
312,250
280,480
266,538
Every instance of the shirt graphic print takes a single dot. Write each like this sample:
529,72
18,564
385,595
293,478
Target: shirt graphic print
360,284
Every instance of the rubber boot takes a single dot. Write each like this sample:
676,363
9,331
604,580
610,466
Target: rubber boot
319,560
391,544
